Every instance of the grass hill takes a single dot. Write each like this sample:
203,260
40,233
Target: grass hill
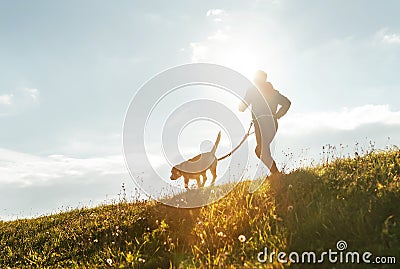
352,199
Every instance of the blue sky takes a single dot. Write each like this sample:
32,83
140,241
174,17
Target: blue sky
68,70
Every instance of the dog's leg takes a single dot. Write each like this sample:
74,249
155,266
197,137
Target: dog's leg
186,179
204,176
213,170
198,182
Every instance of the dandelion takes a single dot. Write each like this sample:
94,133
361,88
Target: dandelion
242,238
109,262
221,234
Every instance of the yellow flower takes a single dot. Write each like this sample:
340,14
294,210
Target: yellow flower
129,257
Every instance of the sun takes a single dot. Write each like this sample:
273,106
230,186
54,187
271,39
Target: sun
242,59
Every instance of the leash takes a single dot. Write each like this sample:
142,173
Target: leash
241,142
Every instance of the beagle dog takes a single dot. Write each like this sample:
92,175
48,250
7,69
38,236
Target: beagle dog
197,167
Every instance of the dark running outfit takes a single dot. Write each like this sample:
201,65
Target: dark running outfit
264,101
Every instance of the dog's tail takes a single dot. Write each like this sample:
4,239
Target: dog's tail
214,149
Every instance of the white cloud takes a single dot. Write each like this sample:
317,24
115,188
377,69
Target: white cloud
6,99
391,39
24,169
207,50
345,119
218,35
216,14
32,93
18,101
388,38
199,51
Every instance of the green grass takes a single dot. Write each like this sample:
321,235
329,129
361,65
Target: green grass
351,199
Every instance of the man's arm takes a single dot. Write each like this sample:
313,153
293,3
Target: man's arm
285,103
244,103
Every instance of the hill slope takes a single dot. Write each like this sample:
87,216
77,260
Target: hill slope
356,200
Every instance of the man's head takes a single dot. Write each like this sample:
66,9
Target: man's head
260,77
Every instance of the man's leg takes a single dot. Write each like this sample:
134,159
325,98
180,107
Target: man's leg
257,132
267,159
265,131
274,169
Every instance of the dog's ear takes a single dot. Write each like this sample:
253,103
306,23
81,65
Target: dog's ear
176,171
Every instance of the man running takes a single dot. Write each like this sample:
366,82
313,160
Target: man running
264,101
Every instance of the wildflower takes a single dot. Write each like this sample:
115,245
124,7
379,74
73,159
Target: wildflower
129,257
242,238
290,186
141,260
95,241
290,208
109,262
221,234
